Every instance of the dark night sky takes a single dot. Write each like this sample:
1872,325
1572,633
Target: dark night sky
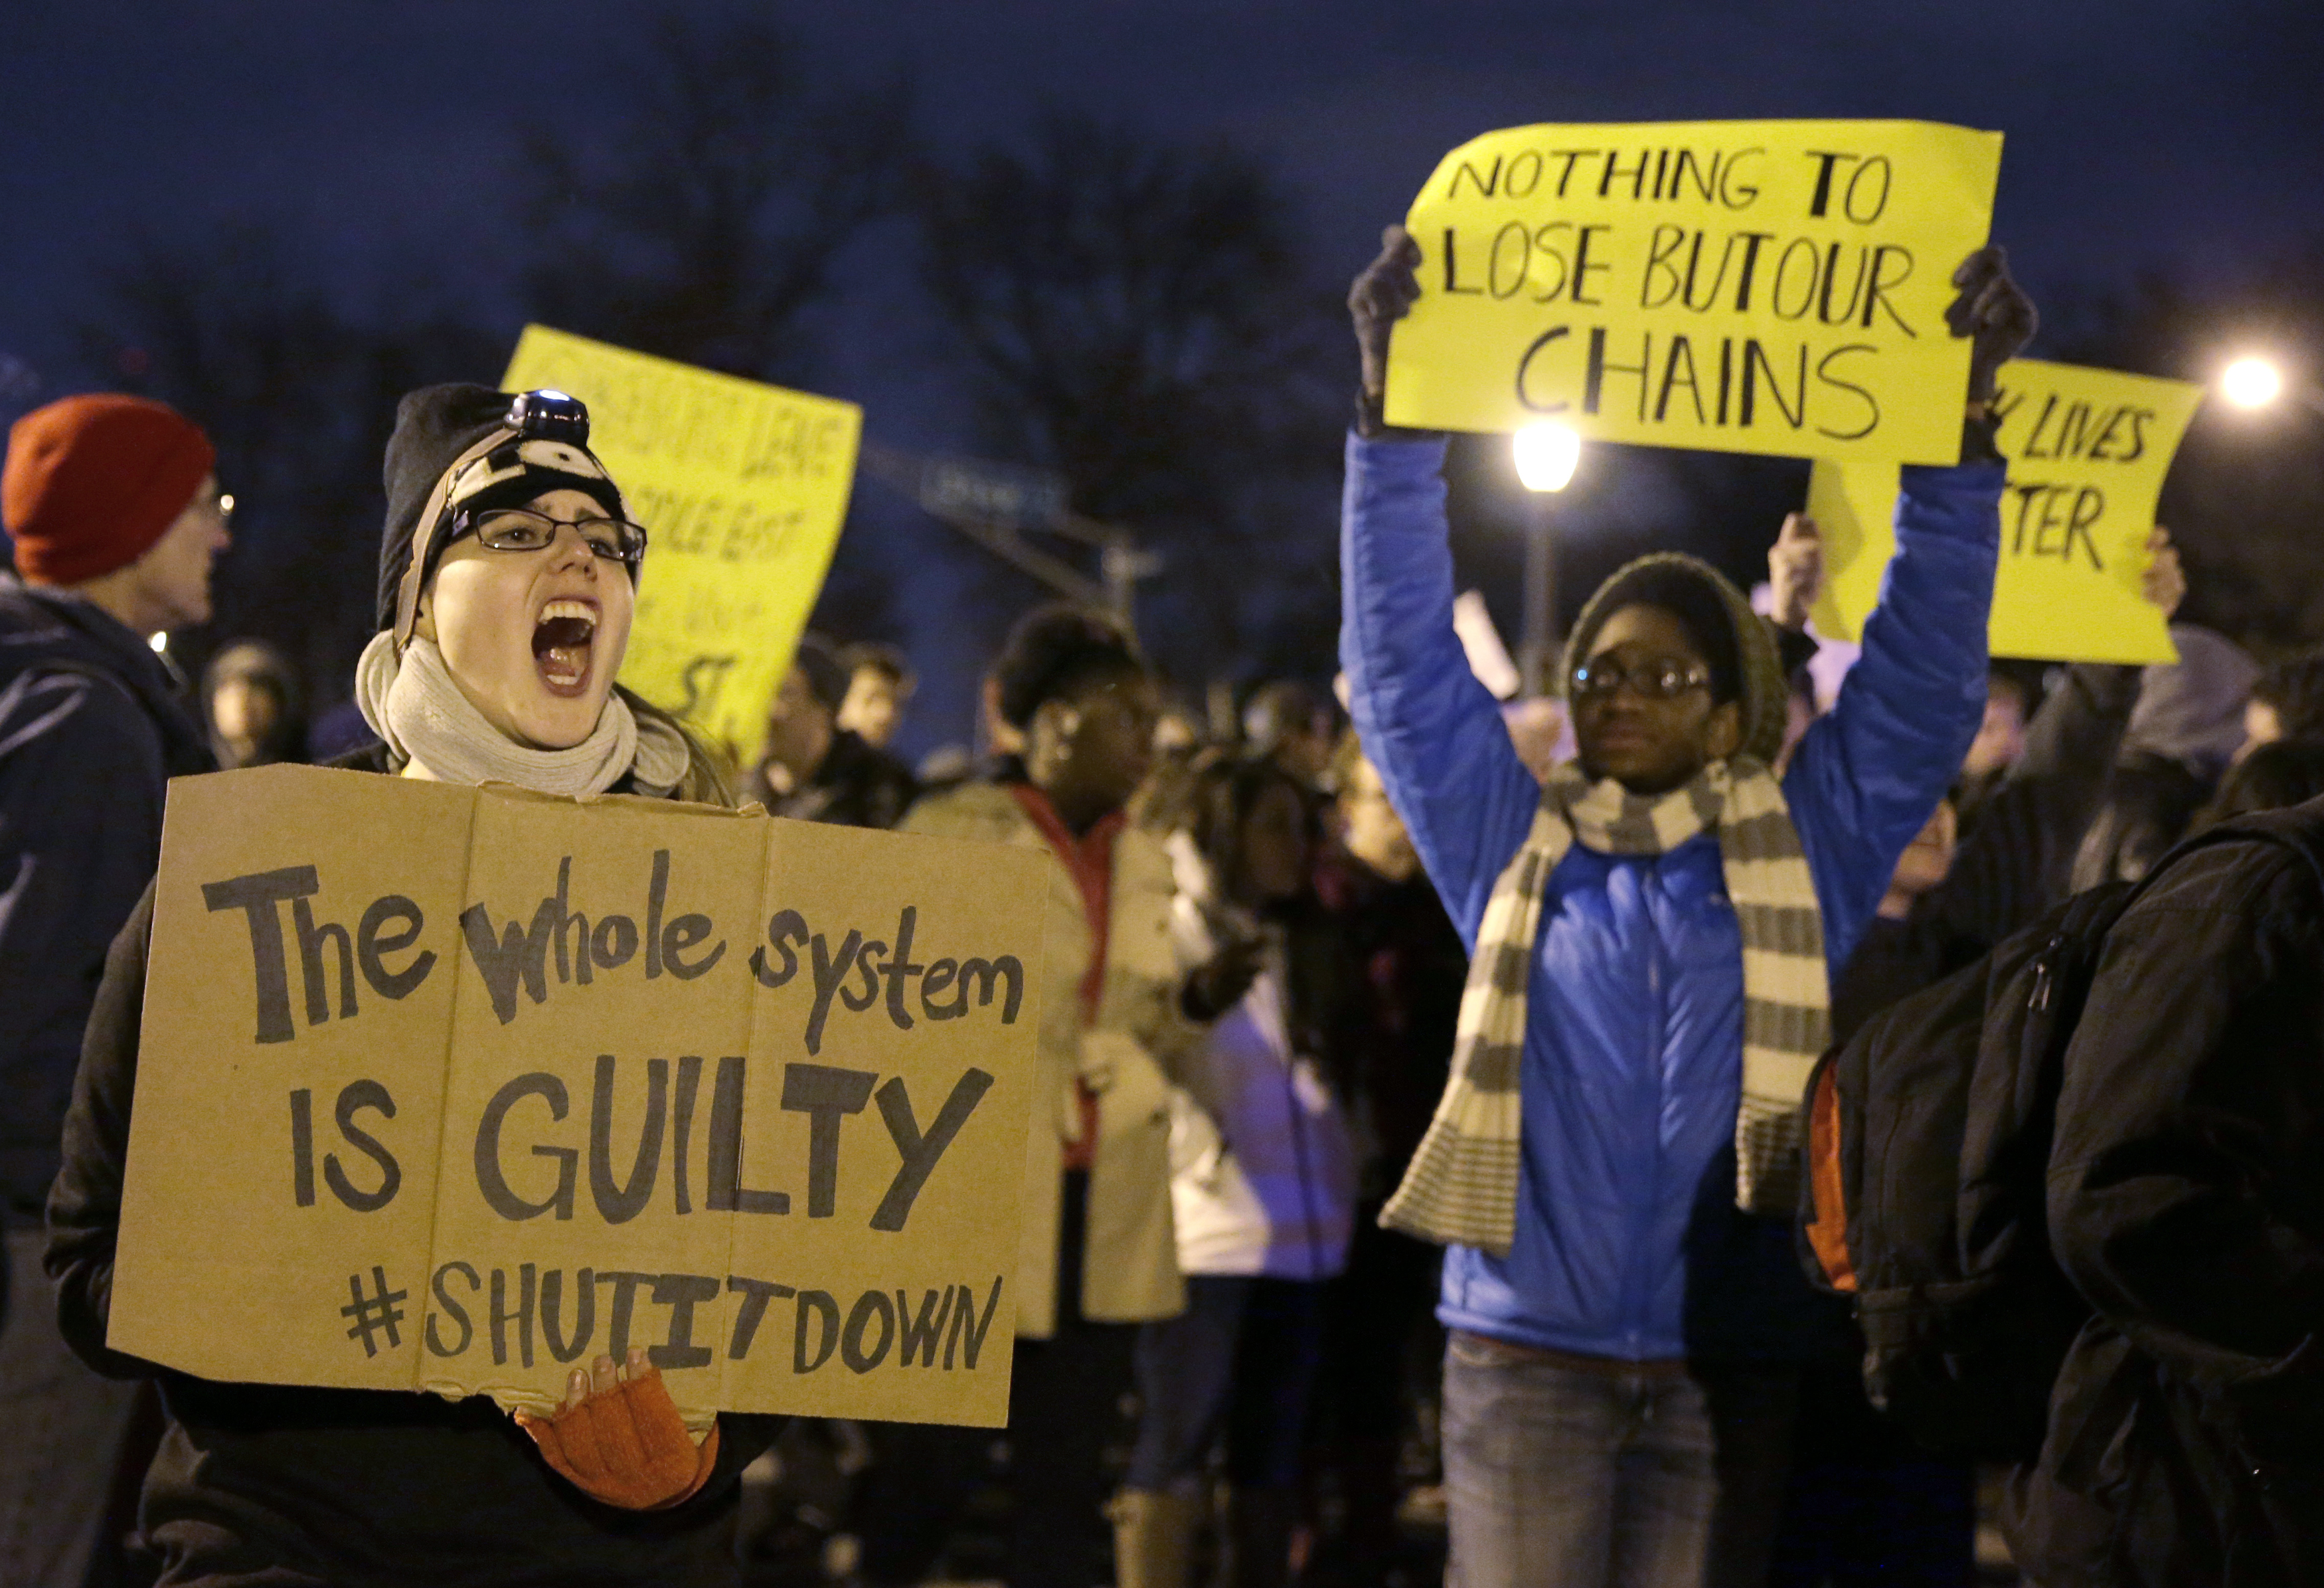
2185,134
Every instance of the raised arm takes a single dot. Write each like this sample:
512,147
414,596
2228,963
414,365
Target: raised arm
1868,775
1434,732
2016,856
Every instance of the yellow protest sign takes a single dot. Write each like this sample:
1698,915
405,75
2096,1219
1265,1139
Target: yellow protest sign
742,489
1745,286
2088,449
539,1079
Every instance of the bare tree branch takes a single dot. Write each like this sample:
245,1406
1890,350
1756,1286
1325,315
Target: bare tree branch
704,213
1139,316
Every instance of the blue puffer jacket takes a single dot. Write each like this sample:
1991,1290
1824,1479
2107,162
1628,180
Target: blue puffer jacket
1627,1242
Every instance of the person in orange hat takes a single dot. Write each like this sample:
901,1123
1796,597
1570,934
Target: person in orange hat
113,504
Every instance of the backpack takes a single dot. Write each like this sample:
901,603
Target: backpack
1928,1153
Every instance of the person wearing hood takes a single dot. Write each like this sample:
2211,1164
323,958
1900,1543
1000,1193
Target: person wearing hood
251,701
1613,1165
114,504
507,583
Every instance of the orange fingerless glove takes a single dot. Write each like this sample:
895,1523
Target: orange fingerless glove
625,1446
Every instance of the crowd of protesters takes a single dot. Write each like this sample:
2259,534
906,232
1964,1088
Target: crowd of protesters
1419,1139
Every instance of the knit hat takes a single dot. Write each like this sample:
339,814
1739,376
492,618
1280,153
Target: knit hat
1745,666
435,428
92,482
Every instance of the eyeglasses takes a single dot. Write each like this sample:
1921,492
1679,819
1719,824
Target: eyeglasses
1659,678
520,528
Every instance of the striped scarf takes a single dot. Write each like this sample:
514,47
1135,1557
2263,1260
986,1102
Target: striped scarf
1463,1185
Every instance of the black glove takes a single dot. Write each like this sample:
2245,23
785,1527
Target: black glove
1994,311
1382,296
1218,984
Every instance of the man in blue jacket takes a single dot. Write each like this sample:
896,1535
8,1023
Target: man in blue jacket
1652,936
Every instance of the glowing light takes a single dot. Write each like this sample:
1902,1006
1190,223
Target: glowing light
159,643
2250,383
1546,454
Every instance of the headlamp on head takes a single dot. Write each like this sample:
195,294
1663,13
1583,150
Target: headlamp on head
549,416
540,444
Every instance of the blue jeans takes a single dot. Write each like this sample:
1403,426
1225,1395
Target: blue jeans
1560,1476
1240,1363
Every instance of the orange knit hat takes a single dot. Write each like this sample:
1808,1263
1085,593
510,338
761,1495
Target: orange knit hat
91,481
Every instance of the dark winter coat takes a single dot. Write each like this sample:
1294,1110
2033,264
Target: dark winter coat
858,785
262,1486
1390,1028
2019,832
2186,1200
91,728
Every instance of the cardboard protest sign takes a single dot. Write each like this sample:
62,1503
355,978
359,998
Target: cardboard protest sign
1747,286
451,1089
2088,449
742,489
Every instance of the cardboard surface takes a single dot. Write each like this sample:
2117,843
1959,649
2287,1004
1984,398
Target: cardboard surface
742,489
1770,287
453,1089
2088,451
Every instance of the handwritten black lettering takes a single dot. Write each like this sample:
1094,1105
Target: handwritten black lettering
618,1205
451,1309
825,1312
727,1193
354,1097
256,896
825,1095
681,1293
491,1182
755,1294
917,1153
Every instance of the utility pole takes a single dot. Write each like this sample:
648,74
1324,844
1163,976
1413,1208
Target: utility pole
997,505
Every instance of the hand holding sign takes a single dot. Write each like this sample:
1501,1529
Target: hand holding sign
2164,582
1767,287
1994,312
1382,296
619,1439
1796,571
548,1080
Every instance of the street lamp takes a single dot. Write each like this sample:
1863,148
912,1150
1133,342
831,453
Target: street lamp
1546,454
2250,383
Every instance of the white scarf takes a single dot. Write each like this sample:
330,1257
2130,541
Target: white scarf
417,711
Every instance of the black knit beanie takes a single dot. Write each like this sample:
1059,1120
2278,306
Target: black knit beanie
433,427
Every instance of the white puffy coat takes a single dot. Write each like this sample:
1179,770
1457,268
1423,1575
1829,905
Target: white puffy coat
1262,1163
